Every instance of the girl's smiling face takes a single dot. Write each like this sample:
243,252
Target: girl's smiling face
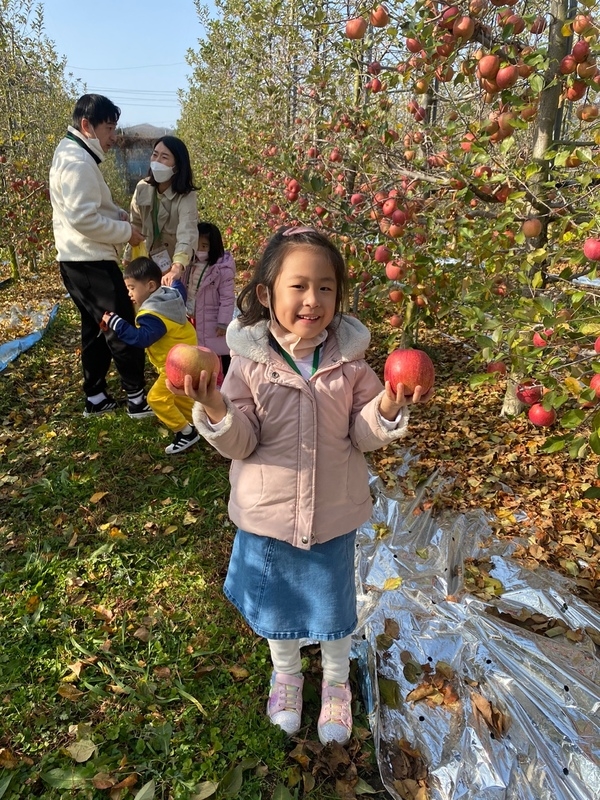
304,293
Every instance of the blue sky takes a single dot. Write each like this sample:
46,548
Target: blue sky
132,51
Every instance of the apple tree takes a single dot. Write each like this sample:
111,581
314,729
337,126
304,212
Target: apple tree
35,101
449,149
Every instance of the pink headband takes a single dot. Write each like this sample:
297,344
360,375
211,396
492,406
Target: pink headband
298,229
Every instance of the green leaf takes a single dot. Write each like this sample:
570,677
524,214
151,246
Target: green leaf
5,783
232,782
481,378
578,447
362,787
573,418
146,792
281,793
593,493
595,444
537,83
537,280
189,697
389,692
205,790
554,444
64,778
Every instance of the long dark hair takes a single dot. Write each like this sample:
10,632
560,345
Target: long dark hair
269,267
215,241
183,179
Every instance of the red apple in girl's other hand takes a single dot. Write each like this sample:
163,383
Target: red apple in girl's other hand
411,368
540,417
530,392
187,359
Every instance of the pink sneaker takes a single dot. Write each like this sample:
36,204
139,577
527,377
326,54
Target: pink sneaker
335,719
285,702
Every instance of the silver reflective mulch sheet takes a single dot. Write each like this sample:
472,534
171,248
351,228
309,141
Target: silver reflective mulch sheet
481,678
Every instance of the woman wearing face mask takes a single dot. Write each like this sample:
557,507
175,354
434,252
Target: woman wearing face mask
165,207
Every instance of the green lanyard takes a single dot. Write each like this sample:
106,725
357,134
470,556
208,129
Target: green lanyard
155,217
316,356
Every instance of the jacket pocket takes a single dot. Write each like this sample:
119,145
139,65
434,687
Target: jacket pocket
357,479
247,483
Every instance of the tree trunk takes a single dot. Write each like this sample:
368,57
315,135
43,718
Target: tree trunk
511,406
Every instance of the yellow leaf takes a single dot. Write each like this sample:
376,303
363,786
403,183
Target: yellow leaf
32,604
103,612
7,759
82,750
69,692
116,533
171,529
97,496
238,673
392,583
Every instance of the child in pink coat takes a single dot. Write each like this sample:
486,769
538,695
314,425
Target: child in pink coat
209,280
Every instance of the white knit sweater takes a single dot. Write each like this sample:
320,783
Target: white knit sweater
84,217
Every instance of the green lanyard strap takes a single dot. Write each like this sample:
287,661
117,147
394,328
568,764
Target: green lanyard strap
287,357
155,227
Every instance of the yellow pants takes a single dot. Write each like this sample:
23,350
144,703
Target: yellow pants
172,410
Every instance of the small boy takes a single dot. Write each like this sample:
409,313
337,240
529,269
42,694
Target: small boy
160,323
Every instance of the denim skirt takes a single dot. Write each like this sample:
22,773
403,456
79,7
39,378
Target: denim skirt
284,592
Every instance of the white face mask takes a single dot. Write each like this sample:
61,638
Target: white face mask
161,172
202,256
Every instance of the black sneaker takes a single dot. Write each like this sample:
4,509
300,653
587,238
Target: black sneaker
93,409
182,441
139,410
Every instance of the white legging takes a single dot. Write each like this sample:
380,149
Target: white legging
335,658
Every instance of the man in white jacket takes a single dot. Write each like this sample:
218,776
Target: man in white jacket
89,231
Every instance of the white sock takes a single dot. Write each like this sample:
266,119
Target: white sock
187,430
335,659
136,397
97,398
285,655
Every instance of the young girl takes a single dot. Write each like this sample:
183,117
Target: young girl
209,281
298,409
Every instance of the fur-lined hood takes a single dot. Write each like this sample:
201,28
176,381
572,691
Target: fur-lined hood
252,342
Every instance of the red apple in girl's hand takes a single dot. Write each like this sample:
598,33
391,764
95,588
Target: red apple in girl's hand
187,359
411,368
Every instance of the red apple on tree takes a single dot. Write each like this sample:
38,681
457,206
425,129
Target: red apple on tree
540,339
496,366
591,249
411,368
595,383
187,359
541,417
356,28
530,392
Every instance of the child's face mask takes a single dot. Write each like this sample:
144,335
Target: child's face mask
201,256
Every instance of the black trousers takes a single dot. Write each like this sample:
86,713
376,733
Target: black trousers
96,287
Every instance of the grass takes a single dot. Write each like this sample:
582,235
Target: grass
121,662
